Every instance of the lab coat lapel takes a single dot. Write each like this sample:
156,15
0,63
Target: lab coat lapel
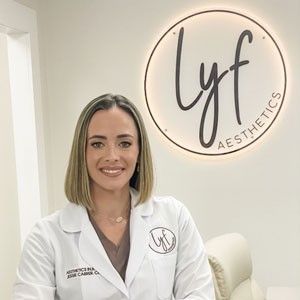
139,239
94,254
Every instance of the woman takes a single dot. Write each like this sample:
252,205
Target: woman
113,240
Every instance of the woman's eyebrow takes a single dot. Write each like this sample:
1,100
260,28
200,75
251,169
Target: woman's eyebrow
124,135
97,136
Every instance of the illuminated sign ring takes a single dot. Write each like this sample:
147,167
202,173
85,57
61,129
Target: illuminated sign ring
211,139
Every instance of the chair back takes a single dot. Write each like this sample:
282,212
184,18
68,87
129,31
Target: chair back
231,265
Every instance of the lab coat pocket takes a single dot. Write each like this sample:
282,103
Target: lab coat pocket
164,269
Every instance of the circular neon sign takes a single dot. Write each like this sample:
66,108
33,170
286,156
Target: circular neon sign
215,82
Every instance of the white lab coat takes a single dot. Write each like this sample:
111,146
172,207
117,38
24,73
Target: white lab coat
63,258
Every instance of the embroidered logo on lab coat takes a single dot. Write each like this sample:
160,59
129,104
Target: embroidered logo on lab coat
162,240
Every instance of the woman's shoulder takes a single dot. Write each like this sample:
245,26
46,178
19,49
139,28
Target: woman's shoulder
169,205
173,206
168,201
46,221
154,202
56,220
51,218
51,230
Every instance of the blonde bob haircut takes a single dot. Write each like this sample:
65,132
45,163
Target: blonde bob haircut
77,181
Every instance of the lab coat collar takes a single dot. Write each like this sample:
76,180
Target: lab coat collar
139,235
144,209
71,217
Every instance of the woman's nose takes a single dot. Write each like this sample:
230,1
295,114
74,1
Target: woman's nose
111,154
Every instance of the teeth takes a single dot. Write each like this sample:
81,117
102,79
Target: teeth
111,171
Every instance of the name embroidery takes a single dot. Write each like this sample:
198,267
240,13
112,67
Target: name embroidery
78,272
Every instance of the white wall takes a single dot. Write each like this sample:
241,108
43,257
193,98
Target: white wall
94,47
9,214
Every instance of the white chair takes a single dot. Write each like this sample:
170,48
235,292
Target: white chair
231,265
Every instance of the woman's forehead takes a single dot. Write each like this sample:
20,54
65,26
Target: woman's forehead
113,121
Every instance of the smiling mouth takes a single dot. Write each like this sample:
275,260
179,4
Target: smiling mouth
112,172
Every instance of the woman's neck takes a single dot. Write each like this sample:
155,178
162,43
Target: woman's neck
111,203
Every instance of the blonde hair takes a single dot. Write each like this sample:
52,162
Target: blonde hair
77,182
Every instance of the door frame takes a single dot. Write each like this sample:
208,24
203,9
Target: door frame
19,23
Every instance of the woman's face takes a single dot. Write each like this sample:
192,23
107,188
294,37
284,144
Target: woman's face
112,150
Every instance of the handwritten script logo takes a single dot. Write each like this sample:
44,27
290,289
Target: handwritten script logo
215,82
162,240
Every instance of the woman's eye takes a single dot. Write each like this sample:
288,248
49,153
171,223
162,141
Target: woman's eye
97,145
125,144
